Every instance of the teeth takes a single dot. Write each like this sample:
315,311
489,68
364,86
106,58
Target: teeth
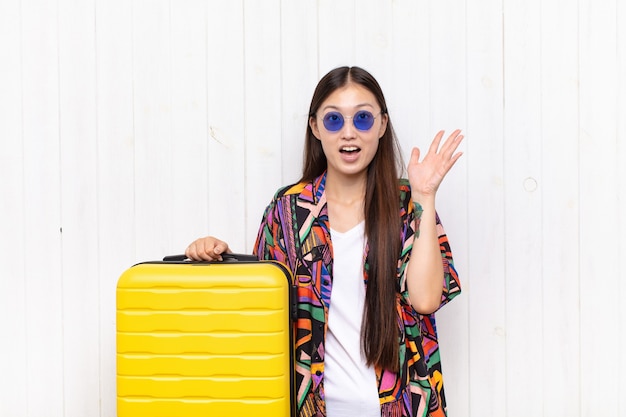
349,149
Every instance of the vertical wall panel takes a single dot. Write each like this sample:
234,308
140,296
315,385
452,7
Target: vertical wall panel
408,85
152,95
621,178
372,38
116,228
262,109
226,194
42,217
598,206
189,137
447,60
337,44
485,151
559,190
299,34
13,360
78,169
523,206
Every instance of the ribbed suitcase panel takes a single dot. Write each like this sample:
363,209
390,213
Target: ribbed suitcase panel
201,321
258,365
138,407
203,340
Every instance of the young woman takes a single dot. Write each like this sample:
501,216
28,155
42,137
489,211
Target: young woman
368,254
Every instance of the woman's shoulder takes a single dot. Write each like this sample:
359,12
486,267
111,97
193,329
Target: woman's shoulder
289,190
306,190
286,194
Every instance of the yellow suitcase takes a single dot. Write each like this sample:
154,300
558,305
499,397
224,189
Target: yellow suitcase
205,339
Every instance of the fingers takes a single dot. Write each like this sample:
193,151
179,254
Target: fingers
206,249
453,142
448,148
415,156
450,144
434,146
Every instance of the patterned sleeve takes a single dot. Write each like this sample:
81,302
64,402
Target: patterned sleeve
451,284
411,220
451,288
428,324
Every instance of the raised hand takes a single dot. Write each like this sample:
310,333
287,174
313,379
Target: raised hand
425,176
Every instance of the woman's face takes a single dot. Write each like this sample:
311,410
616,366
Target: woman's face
349,149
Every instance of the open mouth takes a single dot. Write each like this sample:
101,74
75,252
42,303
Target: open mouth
349,149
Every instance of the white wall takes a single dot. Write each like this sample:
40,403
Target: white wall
129,128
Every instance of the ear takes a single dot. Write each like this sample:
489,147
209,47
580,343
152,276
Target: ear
314,127
383,125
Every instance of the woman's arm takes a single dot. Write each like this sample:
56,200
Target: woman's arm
425,270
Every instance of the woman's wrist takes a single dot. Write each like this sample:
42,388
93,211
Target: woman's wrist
425,202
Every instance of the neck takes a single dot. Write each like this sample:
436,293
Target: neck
345,190
345,197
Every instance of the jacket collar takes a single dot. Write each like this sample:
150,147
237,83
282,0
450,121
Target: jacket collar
314,190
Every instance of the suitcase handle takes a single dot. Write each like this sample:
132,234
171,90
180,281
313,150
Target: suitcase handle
227,257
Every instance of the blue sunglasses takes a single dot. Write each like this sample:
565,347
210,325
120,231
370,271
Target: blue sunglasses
363,120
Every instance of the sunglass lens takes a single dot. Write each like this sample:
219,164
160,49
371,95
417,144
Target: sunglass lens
333,121
363,120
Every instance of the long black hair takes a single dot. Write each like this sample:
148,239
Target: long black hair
379,334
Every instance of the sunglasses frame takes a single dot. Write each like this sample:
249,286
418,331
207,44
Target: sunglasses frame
353,117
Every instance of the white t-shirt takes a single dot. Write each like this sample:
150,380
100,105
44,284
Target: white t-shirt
350,386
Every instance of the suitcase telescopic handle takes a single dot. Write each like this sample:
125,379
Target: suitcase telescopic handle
227,257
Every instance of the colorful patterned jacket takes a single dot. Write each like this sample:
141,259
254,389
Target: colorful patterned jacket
295,230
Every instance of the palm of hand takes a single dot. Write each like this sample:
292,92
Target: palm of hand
425,176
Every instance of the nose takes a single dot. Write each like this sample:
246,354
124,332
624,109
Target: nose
348,130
